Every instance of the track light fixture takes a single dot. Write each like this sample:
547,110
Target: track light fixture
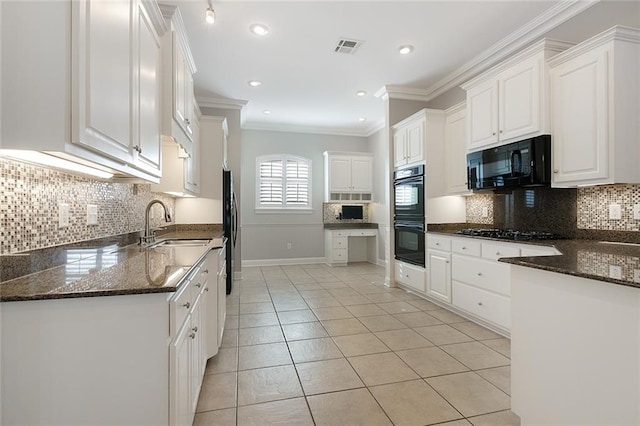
210,14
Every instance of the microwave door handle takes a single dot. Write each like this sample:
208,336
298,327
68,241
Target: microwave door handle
516,155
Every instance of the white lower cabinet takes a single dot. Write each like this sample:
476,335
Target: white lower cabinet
181,377
411,275
336,244
464,273
439,267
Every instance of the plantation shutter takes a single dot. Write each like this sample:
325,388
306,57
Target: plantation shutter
297,193
271,183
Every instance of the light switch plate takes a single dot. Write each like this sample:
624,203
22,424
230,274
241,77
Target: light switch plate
615,212
615,272
92,214
636,211
63,215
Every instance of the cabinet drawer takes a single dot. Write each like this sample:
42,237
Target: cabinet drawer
492,307
364,233
489,275
412,276
438,243
181,306
466,246
496,251
335,234
339,242
339,255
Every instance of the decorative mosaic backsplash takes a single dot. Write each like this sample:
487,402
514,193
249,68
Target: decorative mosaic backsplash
331,212
609,265
29,198
475,204
593,207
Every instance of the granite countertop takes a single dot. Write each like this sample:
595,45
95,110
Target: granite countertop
617,263
358,225
109,269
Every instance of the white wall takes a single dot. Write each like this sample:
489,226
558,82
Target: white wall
379,210
265,236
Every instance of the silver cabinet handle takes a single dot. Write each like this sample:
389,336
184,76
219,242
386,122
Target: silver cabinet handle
198,285
206,289
500,131
195,329
556,171
437,244
494,133
187,305
447,261
479,274
192,335
464,248
497,253
479,303
186,120
137,148
206,271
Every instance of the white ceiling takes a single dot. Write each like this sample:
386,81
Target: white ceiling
306,85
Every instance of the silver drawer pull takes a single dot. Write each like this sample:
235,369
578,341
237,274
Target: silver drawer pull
195,329
206,289
187,305
192,335
464,248
479,274
198,285
206,271
437,244
479,303
497,253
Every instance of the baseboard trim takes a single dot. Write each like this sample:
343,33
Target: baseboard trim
277,262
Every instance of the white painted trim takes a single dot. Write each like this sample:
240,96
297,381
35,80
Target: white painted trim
289,128
456,108
277,262
222,103
534,29
378,125
155,15
618,32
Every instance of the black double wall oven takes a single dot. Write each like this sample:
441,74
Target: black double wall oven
408,217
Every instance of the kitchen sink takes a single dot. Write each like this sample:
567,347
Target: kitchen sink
197,242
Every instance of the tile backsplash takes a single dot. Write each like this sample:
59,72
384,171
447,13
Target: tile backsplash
331,212
593,207
29,198
475,205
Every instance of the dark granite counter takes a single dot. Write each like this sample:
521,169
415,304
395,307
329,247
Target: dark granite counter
350,226
615,262
107,267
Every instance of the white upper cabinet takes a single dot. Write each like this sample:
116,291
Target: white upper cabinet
455,150
178,67
595,94
409,140
348,176
93,87
510,101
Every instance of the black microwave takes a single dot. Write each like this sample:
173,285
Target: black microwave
519,164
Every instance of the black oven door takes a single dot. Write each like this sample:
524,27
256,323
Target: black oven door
409,198
409,242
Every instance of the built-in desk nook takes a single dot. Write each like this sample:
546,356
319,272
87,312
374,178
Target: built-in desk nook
350,242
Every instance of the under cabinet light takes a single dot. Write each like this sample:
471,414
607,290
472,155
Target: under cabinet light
47,160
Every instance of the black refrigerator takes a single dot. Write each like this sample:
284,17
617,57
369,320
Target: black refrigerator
229,221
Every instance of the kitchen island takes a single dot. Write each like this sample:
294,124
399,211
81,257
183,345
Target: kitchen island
117,337
575,339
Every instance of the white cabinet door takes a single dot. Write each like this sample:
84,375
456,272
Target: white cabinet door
415,141
482,115
148,105
222,298
188,102
456,153
192,170
196,360
181,377
340,170
519,99
362,174
102,73
399,148
439,266
180,71
579,90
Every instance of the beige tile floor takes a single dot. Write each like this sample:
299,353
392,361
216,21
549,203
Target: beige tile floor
315,345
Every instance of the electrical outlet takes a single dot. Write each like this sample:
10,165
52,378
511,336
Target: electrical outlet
92,214
288,246
615,212
615,272
63,215
485,212
636,211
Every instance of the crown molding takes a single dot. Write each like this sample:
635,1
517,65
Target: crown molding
402,92
618,32
316,130
542,24
456,108
155,16
222,103
376,126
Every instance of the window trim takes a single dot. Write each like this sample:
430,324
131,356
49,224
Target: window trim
283,208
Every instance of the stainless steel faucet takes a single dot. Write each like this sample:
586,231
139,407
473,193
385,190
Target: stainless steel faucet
149,237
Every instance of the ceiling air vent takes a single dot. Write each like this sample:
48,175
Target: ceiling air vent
347,46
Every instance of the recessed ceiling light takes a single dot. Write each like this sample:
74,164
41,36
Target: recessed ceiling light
255,83
363,119
259,29
266,112
405,50
361,93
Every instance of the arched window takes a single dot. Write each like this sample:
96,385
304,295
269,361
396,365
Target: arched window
283,182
